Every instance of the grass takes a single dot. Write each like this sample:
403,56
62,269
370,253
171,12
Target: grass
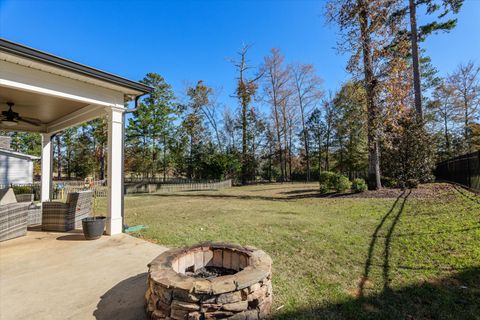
415,256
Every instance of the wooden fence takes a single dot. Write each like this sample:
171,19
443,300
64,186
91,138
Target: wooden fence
100,189
132,188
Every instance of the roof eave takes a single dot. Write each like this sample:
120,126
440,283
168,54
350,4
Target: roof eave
43,57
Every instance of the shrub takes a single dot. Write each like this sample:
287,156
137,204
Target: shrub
326,177
412,183
324,188
341,183
408,151
359,185
388,182
22,189
336,181
327,181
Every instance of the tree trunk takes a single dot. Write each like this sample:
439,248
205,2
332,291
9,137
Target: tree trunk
307,149
59,158
69,157
350,156
285,142
244,142
190,161
164,157
102,162
270,162
415,60
290,153
327,150
447,138
279,141
374,181
467,138
319,156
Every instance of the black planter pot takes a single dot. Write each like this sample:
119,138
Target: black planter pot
93,227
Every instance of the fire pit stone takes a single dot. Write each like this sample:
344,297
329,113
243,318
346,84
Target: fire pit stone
210,281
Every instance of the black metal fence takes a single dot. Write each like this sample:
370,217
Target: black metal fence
464,170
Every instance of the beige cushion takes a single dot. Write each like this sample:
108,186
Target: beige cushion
7,196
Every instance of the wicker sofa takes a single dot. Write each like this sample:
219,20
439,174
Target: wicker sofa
13,220
15,213
59,216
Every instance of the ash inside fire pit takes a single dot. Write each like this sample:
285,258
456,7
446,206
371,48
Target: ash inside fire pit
209,272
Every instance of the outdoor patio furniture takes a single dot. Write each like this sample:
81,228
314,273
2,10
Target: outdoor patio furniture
13,220
7,196
26,197
34,215
59,216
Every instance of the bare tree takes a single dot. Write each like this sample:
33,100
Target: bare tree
308,92
246,89
465,82
209,110
277,89
329,114
229,128
443,107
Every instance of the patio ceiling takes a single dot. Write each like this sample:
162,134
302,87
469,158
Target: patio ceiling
34,105
58,92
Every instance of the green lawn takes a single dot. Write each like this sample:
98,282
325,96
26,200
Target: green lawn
416,256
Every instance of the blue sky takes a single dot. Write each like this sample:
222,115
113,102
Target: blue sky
186,41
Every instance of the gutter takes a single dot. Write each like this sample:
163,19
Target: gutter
46,58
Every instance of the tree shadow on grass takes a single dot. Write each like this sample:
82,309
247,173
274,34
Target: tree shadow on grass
217,196
300,191
453,297
456,296
373,242
469,196
124,301
288,197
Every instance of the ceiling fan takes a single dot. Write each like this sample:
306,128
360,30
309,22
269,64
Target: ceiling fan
10,118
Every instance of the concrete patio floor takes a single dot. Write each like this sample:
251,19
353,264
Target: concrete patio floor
49,275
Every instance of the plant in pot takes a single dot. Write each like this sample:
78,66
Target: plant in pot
94,226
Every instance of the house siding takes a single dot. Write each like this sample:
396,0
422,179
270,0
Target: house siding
15,169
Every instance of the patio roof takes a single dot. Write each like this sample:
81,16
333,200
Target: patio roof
56,94
16,49
56,91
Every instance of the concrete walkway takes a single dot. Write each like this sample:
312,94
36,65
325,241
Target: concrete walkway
48,275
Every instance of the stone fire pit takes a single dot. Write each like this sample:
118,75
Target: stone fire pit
210,281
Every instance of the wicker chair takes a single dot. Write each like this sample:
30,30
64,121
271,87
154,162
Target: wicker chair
59,216
13,220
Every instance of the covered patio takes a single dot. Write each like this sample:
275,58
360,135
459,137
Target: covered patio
50,94
49,275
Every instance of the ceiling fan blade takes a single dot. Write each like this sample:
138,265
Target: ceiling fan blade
33,122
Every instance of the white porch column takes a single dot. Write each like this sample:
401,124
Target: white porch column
115,170
47,164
